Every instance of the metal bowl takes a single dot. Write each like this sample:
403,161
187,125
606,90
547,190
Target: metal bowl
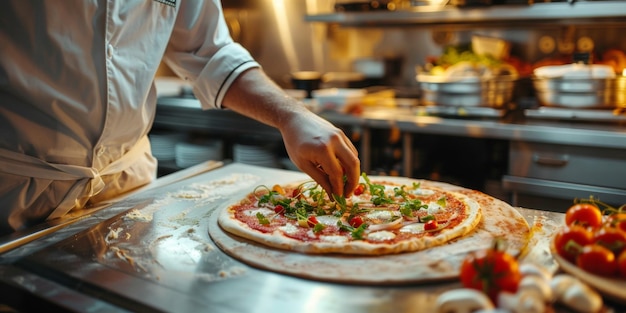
494,93
581,93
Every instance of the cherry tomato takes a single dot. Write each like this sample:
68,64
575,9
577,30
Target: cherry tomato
610,238
570,240
618,220
360,188
490,271
621,264
597,260
356,221
312,221
585,214
431,225
279,209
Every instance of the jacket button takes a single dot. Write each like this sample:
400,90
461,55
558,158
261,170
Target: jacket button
110,51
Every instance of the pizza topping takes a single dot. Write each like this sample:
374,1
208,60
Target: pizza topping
289,229
334,238
422,192
377,212
355,221
431,225
356,232
382,235
392,223
263,211
262,219
359,189
279,209
327,219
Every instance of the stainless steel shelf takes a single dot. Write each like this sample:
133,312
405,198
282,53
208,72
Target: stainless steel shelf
595,11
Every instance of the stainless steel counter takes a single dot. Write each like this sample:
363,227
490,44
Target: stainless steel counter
152,252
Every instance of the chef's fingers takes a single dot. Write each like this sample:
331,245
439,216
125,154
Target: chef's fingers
340,164
316,171
348,157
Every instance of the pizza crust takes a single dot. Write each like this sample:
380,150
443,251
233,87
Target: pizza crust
276,239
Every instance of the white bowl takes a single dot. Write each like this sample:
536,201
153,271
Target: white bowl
338,99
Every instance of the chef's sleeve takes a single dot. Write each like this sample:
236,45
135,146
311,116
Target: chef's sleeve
202,51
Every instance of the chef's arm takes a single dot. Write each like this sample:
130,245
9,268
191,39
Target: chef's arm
315,146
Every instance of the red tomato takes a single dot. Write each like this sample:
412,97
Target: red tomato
312,221
610,238
597,260
585,214
490,271
618,220
431,225
621,264
570,240
360,188
356,221
279,209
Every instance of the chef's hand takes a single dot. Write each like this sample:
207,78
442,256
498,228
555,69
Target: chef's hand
322,151
317,147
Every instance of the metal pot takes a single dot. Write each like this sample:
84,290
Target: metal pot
581,93
494,93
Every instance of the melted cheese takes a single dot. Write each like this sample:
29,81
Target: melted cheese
434,208
264,211
289,229
415,228
422,192
334,239
381,235
379,215
328,220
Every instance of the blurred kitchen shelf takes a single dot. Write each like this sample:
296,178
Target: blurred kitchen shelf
592,11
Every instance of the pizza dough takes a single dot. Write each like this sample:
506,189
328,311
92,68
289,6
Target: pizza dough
433,264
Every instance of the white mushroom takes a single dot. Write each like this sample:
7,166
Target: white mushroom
560,283
463,300
524,301
581,298
538,284
530,269
575,294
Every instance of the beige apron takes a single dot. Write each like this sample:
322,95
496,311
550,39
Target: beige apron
88,179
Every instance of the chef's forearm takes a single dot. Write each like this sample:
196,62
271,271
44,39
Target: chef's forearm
254,95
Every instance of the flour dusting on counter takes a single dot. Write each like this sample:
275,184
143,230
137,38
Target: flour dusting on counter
216,189
139,216
167,236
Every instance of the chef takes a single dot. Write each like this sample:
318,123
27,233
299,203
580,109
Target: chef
77,100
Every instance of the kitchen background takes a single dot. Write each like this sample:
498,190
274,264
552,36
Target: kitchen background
383,44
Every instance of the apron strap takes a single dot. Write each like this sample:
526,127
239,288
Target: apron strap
89,179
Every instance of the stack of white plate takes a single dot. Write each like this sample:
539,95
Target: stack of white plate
188,154
163,145
255,155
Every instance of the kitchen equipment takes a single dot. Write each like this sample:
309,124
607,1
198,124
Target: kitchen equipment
307,81
581,93
470,92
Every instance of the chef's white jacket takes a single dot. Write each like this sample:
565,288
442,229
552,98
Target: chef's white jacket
77,97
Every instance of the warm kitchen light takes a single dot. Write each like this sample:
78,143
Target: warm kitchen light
284,33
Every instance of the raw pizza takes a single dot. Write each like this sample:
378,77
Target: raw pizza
381,217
